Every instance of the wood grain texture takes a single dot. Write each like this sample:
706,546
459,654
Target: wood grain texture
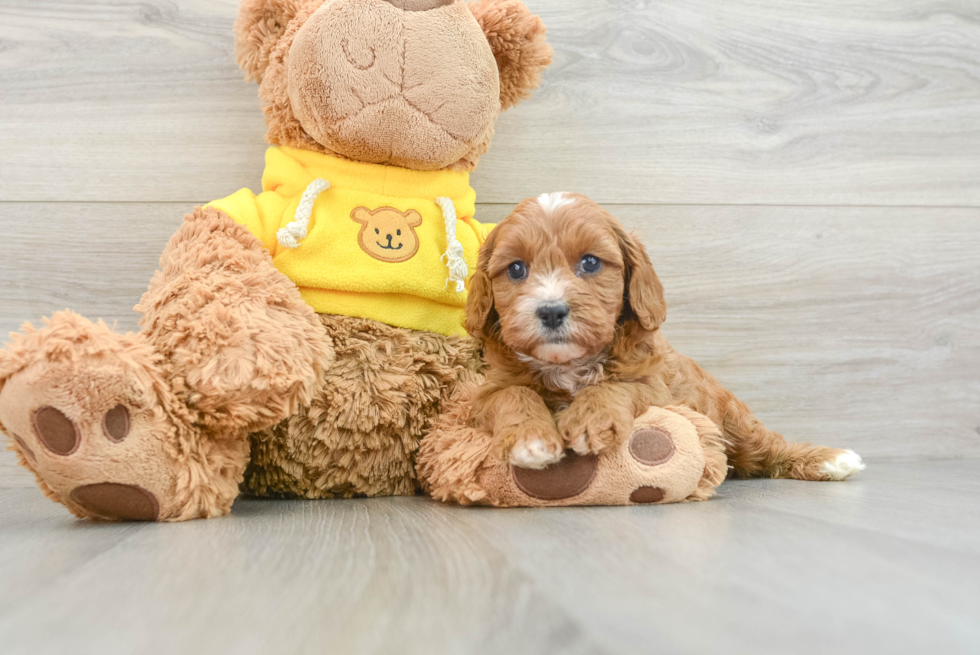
854,327
670,101
886,562
12,476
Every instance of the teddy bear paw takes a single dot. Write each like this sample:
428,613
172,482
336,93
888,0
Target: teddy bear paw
662,461
84,417
95,443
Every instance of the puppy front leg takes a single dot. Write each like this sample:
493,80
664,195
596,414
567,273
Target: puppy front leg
602,415
523,430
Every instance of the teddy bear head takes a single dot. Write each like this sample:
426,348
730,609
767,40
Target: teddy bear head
410,83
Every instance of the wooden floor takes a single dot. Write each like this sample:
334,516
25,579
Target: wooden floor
806,175
888,562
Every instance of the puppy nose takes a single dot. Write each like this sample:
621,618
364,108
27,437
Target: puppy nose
419,5
552,315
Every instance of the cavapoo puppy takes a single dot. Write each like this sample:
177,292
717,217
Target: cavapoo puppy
569,308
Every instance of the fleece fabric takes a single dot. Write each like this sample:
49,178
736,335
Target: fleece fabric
375,242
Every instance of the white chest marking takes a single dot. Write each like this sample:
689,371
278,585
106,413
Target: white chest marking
571,377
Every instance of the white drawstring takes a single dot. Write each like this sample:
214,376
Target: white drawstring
454,249
294,232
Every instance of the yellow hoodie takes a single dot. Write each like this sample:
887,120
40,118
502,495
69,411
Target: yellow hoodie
367,240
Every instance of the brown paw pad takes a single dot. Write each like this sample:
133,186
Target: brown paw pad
55,431
645,495
651,446
564,479
113,501
115,423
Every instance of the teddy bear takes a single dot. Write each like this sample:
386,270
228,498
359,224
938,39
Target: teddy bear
299,341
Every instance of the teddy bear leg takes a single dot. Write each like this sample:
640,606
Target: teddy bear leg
673,455
243,349
92,415
713,444
154,426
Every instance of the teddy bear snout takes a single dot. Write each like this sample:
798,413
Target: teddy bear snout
419,5
383,84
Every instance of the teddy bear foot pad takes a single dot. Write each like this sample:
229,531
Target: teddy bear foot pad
85,417
663,461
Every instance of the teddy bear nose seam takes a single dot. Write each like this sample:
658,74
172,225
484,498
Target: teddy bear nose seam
419,5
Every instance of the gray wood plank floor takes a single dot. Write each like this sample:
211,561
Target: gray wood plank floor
886,562
806,174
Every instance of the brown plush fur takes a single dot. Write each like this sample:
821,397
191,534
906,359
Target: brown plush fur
228,348
517,39
242,348
607,361
343,124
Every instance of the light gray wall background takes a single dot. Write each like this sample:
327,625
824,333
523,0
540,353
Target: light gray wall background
806,174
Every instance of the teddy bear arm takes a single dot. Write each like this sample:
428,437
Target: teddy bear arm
243,349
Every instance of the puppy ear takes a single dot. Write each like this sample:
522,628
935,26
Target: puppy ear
414,218
480,313
643,295
517,39
361,215
260,25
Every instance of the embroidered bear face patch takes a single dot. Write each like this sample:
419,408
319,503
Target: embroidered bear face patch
388,234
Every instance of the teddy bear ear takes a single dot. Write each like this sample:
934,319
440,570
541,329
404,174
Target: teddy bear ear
517,39
414,218
361,215
260,25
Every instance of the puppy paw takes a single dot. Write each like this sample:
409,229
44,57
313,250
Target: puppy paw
846,464
534,454
590,430
530,446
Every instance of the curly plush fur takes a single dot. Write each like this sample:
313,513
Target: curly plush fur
360,432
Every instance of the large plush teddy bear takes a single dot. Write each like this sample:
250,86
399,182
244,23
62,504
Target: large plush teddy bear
297,342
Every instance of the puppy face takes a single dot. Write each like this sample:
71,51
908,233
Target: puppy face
558,277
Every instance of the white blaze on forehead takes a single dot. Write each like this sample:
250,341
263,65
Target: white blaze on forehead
552,201
550,287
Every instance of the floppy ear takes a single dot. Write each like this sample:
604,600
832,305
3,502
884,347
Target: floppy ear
260,25
480,314
360,215
517,39
643,295
414,218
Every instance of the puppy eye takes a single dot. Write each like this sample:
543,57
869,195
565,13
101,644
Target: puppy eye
399,233
517,271
590,264
377,231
